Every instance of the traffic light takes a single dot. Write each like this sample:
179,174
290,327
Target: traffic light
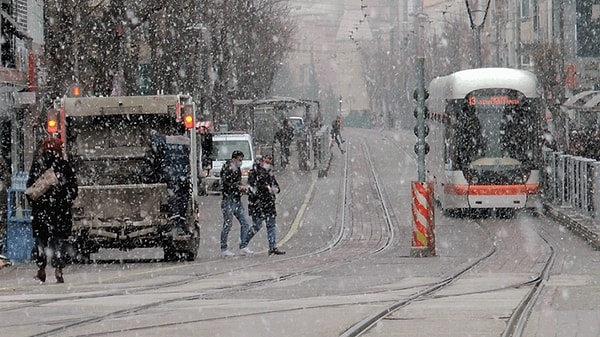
188,116
421,130
75,91
52,122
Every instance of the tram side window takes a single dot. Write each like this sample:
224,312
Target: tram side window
450,135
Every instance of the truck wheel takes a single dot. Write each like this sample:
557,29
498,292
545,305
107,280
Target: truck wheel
169,253
189,256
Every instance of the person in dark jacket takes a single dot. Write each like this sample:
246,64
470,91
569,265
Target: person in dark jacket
206,143
336,133
261,203
52,219
231,205
172,158
284,136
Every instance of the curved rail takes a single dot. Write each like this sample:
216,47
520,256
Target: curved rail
518,319
337,255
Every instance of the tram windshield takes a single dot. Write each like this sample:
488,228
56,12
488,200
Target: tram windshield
494,129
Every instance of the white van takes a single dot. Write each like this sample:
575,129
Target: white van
223,146
297,123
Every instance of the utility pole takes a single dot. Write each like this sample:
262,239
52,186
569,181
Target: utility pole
477,28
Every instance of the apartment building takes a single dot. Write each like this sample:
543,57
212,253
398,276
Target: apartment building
22,36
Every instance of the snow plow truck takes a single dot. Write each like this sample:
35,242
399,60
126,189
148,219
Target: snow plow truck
122,203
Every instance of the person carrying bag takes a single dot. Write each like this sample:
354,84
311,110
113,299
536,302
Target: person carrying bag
52,189
42,184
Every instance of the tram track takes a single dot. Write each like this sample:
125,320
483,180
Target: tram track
355,239
515,323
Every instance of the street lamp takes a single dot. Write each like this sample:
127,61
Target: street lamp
482,13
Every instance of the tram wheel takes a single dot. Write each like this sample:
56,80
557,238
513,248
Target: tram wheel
505,213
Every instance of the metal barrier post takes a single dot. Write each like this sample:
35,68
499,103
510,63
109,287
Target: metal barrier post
576,182
562,181
596,190
547,176
555,178
588,184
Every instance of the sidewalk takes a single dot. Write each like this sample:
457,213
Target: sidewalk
583,226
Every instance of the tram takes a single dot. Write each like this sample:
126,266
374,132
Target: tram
486,139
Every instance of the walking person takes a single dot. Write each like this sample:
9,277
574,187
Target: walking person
206,144
261,203
231,205
336,133
284,136
172,156
51,211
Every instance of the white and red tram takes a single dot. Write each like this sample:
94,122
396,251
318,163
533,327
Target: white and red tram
486,131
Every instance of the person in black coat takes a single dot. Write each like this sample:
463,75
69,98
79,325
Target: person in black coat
336,133
284,136
261,202
206,144
52,220
171,157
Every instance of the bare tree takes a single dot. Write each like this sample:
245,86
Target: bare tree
548,60
215,49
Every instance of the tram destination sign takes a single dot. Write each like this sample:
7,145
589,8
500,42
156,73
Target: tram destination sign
493,100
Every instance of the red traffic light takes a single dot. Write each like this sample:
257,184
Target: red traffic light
75,91
52,122
188,116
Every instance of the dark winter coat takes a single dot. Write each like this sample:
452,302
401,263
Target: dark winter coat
285,135
171,156
261,200
206,141
52,211
336,127
231,180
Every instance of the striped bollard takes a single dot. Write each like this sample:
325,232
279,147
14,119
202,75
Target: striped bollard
423,242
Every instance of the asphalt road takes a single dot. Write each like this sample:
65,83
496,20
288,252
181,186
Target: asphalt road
347,259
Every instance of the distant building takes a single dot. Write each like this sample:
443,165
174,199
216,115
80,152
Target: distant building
22,36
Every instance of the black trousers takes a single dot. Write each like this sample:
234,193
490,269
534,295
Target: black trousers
50,245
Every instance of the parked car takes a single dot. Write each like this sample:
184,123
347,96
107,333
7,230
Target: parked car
223,145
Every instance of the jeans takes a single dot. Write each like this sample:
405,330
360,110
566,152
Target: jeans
231,208
257,224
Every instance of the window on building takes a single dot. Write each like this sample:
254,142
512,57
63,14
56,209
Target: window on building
588,28
526,58
7,38
525,9
301,74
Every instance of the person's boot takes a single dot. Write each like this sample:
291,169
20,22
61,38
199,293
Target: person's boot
41,275
59,275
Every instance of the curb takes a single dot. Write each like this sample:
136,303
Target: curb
584,226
